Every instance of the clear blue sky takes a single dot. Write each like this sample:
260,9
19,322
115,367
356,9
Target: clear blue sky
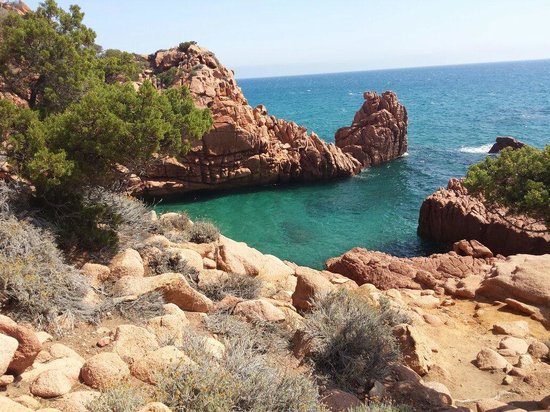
278,37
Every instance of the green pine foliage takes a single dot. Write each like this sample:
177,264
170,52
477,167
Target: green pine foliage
516,179
84,118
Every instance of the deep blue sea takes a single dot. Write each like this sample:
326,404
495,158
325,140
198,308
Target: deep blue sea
455,113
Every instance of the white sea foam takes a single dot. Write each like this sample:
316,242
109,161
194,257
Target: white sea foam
405,154
476,149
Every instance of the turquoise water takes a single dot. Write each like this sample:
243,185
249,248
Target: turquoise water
455,113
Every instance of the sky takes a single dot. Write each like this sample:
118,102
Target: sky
260,38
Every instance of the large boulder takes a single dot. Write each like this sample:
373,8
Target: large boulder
28,348
133,342
8,346
104,370
311,285
51,384
451,214
127,263
260,309
522,277
149,367
415,347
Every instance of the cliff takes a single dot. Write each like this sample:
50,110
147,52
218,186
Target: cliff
452,214
249,147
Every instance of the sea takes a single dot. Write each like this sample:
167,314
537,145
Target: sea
455,114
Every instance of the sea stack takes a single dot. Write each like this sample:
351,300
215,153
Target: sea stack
378,132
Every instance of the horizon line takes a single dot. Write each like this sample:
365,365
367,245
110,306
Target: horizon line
394,68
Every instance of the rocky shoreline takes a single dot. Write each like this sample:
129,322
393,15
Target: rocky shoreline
451,214
248,147
476,323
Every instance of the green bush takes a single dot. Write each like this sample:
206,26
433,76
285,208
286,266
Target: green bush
122,399
351,342
238,285
184,46
516,179
119,66
168,77
203,232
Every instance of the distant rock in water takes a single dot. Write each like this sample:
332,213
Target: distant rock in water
249,147
504,142
378,132
451,214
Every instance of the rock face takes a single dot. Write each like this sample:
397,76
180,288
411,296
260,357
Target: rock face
450,271
249,147
451,214
504,142
378,132
522,277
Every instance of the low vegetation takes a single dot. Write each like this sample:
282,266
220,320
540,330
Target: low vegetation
243,380
203,232
238,285
352,342
381,407
184,46
122,399
517,179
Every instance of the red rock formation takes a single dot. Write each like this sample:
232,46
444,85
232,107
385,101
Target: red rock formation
458,275
378,132
452,214
248,146
504,142
17,6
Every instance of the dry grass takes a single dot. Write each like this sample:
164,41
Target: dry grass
122,399
352,343
238,285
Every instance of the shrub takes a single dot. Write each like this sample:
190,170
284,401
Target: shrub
390,315
243,380
261,337
238,285
130,215
168,77
166,261
184,46
203,232
517,179
117,400
36,285
350,340
381,407
145,307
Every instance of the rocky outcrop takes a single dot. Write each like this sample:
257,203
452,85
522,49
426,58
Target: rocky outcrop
504,142
18,7
249,147
451,214
457,275
378,132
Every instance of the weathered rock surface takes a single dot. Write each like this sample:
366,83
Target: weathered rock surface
378,132
522,277
103,370
28,348
503,142
8,346
452,272
451,214
249,147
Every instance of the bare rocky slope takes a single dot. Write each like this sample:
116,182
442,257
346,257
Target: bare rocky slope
249,147
477,351
452,214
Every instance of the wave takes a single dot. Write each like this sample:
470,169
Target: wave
404,154
476,149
